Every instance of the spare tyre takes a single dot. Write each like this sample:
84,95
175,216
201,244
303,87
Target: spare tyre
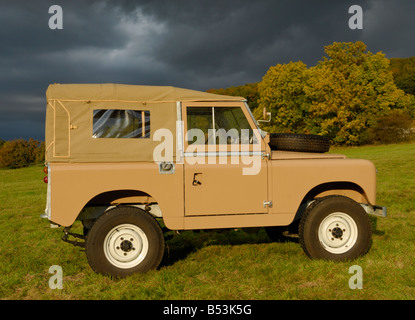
299,142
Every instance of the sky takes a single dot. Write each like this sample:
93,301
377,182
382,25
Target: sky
190,44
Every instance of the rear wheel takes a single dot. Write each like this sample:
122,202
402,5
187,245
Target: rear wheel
123,241
335,228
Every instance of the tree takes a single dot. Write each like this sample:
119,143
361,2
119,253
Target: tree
282,93
358,88
248,91
341,97
403,70
394,127
21,153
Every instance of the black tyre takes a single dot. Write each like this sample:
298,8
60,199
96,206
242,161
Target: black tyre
299,142
335,228
123,241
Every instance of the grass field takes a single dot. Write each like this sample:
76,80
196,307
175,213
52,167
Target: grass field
213,265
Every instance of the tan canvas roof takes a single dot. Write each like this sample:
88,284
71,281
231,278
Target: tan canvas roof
124,92
69,119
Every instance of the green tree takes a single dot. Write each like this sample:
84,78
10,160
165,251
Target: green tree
341,97
249,91
21,153
350,90
403,70
394,127
282,93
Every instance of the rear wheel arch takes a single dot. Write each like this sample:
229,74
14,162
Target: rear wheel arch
104,201
120,196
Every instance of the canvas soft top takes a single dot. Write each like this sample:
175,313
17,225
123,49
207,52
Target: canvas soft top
81,120
124,92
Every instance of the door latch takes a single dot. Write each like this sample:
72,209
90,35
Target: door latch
267,203
195,181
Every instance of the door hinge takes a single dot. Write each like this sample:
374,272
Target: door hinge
265,155
267,203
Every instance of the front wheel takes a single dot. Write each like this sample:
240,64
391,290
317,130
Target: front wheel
335,228
123,241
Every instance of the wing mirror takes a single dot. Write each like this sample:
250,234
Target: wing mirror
266,116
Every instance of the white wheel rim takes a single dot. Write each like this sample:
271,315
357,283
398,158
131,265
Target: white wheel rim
125,246
338,233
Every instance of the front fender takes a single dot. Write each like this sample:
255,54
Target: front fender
293,180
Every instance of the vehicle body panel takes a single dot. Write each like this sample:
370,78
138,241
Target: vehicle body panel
294,179
209,186
76,184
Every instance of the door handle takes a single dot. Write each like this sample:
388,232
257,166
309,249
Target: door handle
195,181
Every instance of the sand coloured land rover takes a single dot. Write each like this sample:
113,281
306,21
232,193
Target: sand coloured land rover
132,162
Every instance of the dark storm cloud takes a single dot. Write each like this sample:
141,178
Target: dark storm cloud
234,42
194,44
389,27
32,56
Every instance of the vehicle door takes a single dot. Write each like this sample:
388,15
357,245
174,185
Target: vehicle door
225,167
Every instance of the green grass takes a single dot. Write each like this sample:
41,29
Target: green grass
213,265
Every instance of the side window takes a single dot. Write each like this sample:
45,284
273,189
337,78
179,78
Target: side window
199,124
218,125
115,123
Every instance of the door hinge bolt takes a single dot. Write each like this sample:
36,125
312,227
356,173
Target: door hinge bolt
265,155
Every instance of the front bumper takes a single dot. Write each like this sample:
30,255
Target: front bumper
375,210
